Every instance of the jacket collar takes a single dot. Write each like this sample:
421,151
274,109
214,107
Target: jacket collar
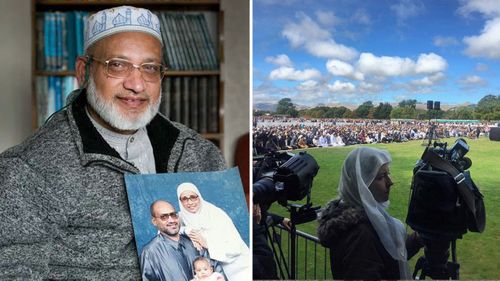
161,132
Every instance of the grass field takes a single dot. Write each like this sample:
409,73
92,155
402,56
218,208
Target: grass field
477,253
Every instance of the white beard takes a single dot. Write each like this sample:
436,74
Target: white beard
110,113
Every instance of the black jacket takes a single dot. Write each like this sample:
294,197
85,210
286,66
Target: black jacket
356,251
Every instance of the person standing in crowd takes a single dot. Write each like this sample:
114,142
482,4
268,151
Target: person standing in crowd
63,201
365,242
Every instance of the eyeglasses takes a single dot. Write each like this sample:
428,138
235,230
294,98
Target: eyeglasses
185,199
121,68
164,217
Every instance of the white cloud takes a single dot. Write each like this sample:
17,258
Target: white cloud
337,67
385,66
370,64
489,8
441,41
487,43
342,87
428,81
340,68
370,87
280,60
330,49
299,33
406,9
316,40
289,73
327,18
308,85
430,63
472,80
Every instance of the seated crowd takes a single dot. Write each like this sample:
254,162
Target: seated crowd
293,133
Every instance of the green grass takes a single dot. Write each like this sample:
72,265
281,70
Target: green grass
477,253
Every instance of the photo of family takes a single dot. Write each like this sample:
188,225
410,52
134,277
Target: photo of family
178,217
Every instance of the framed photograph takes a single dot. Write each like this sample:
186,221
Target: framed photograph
223,189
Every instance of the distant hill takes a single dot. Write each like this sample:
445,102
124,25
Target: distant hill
420,105
265,106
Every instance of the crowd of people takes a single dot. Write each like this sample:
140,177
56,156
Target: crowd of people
271,134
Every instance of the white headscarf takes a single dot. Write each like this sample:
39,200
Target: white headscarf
223,239
198,220
360,169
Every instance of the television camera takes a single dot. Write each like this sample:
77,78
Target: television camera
445,203
283,177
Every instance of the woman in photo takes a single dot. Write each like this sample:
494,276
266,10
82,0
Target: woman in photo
210,227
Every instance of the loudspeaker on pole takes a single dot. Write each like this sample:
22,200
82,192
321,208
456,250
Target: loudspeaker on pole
429,105
437,105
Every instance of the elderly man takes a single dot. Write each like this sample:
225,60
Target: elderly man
169,255
63,206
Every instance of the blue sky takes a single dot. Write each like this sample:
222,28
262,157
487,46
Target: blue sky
346,52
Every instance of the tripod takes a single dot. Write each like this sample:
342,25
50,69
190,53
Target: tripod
298,214
431,135
435,263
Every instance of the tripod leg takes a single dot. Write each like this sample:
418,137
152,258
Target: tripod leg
275,252
419,266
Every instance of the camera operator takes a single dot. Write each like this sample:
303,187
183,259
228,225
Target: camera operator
264,266
365,241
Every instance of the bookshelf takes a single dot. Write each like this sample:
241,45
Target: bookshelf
193,54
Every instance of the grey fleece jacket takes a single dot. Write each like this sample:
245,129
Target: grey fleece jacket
64,212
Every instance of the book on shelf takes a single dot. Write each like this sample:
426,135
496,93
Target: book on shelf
166,98
51,94
169,57
185,100
193,104
192,101
202,105
213,104
59,39
176,96
188,44
198,41
209,45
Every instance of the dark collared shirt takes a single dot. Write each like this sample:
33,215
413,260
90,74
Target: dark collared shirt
165,259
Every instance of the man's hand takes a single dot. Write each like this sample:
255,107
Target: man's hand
287,223
257,214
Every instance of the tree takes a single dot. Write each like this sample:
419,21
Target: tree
382,111
434,114
461,112
339,112
348,114
409,103
286,107
363,110
406,112
488,108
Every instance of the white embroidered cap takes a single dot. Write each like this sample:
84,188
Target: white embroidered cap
120,19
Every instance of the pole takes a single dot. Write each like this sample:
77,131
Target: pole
293,242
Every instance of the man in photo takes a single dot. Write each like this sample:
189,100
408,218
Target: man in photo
169,255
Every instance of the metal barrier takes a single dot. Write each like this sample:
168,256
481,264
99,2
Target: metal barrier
304,259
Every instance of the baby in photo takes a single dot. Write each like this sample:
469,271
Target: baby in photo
203,271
